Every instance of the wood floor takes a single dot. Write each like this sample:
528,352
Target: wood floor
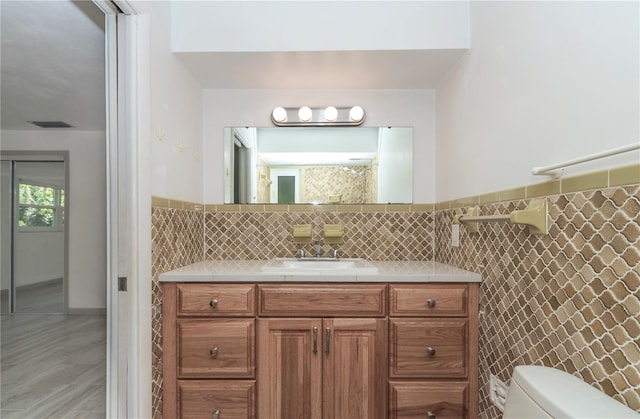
45,297
52,366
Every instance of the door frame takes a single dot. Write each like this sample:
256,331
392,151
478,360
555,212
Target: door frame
129,212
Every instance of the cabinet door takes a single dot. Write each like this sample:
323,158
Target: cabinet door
289,368
355,368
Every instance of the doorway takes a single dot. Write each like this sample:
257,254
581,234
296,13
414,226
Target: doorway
286,186
34,262
63,365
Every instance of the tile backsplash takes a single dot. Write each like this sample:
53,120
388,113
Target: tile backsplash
265,235
569,299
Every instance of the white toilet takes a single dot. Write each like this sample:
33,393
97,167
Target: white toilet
542,392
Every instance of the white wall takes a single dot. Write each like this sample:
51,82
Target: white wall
176,113
219,26
87,206
401,108
39,256
544,82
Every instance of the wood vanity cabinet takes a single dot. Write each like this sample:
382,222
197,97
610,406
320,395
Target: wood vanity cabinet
323,367
433,362
208,333
320,351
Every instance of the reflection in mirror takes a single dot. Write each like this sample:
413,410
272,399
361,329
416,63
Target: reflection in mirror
318,165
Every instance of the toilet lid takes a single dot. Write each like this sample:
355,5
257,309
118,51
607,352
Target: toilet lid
564,396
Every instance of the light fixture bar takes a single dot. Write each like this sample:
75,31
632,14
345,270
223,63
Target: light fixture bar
318,116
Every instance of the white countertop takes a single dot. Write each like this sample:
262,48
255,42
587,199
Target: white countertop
249,271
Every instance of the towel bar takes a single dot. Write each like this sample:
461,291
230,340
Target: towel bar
535,217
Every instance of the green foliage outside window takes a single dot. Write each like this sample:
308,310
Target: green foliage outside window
40,206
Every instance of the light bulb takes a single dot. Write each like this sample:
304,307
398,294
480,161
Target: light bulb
356,114
305,114
330,113
279,114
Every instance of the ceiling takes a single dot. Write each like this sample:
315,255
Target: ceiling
52,66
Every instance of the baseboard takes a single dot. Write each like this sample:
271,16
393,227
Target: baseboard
87,311
38,284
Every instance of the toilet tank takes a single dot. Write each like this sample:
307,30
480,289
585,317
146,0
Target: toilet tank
543,392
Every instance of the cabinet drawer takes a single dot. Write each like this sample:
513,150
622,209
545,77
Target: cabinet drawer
428,300
229,399
428,348
216,300
358,300
415,400
216,348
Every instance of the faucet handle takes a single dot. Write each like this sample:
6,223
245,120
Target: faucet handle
300,253
336,253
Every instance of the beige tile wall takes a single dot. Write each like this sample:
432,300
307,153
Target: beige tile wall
176,240
262,235
569,299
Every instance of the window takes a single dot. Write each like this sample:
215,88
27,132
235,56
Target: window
40,207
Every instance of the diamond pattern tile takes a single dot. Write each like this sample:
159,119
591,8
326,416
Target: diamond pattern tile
569,299
176,240
265,235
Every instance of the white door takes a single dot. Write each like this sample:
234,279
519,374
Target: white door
121,181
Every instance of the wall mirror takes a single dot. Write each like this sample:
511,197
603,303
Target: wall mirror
318,165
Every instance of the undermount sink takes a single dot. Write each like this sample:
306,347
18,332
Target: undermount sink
319,266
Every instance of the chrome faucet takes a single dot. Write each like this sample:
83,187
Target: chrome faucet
300,253
335,253
318,248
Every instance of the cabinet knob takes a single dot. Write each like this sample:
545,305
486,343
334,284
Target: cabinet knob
213,303
216,415
213,352
431,351
431,303
430,415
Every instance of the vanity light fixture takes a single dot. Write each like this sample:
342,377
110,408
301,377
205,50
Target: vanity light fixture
305,114
279,114
330,113
356,114
320,116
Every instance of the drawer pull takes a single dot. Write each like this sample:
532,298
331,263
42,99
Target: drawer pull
327,340
213,352
213,303
431,415
431,352
315,340
216,415
431,303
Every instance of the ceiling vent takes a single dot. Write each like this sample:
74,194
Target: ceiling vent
51,124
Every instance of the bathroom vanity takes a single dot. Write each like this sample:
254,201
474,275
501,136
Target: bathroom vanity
243,342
